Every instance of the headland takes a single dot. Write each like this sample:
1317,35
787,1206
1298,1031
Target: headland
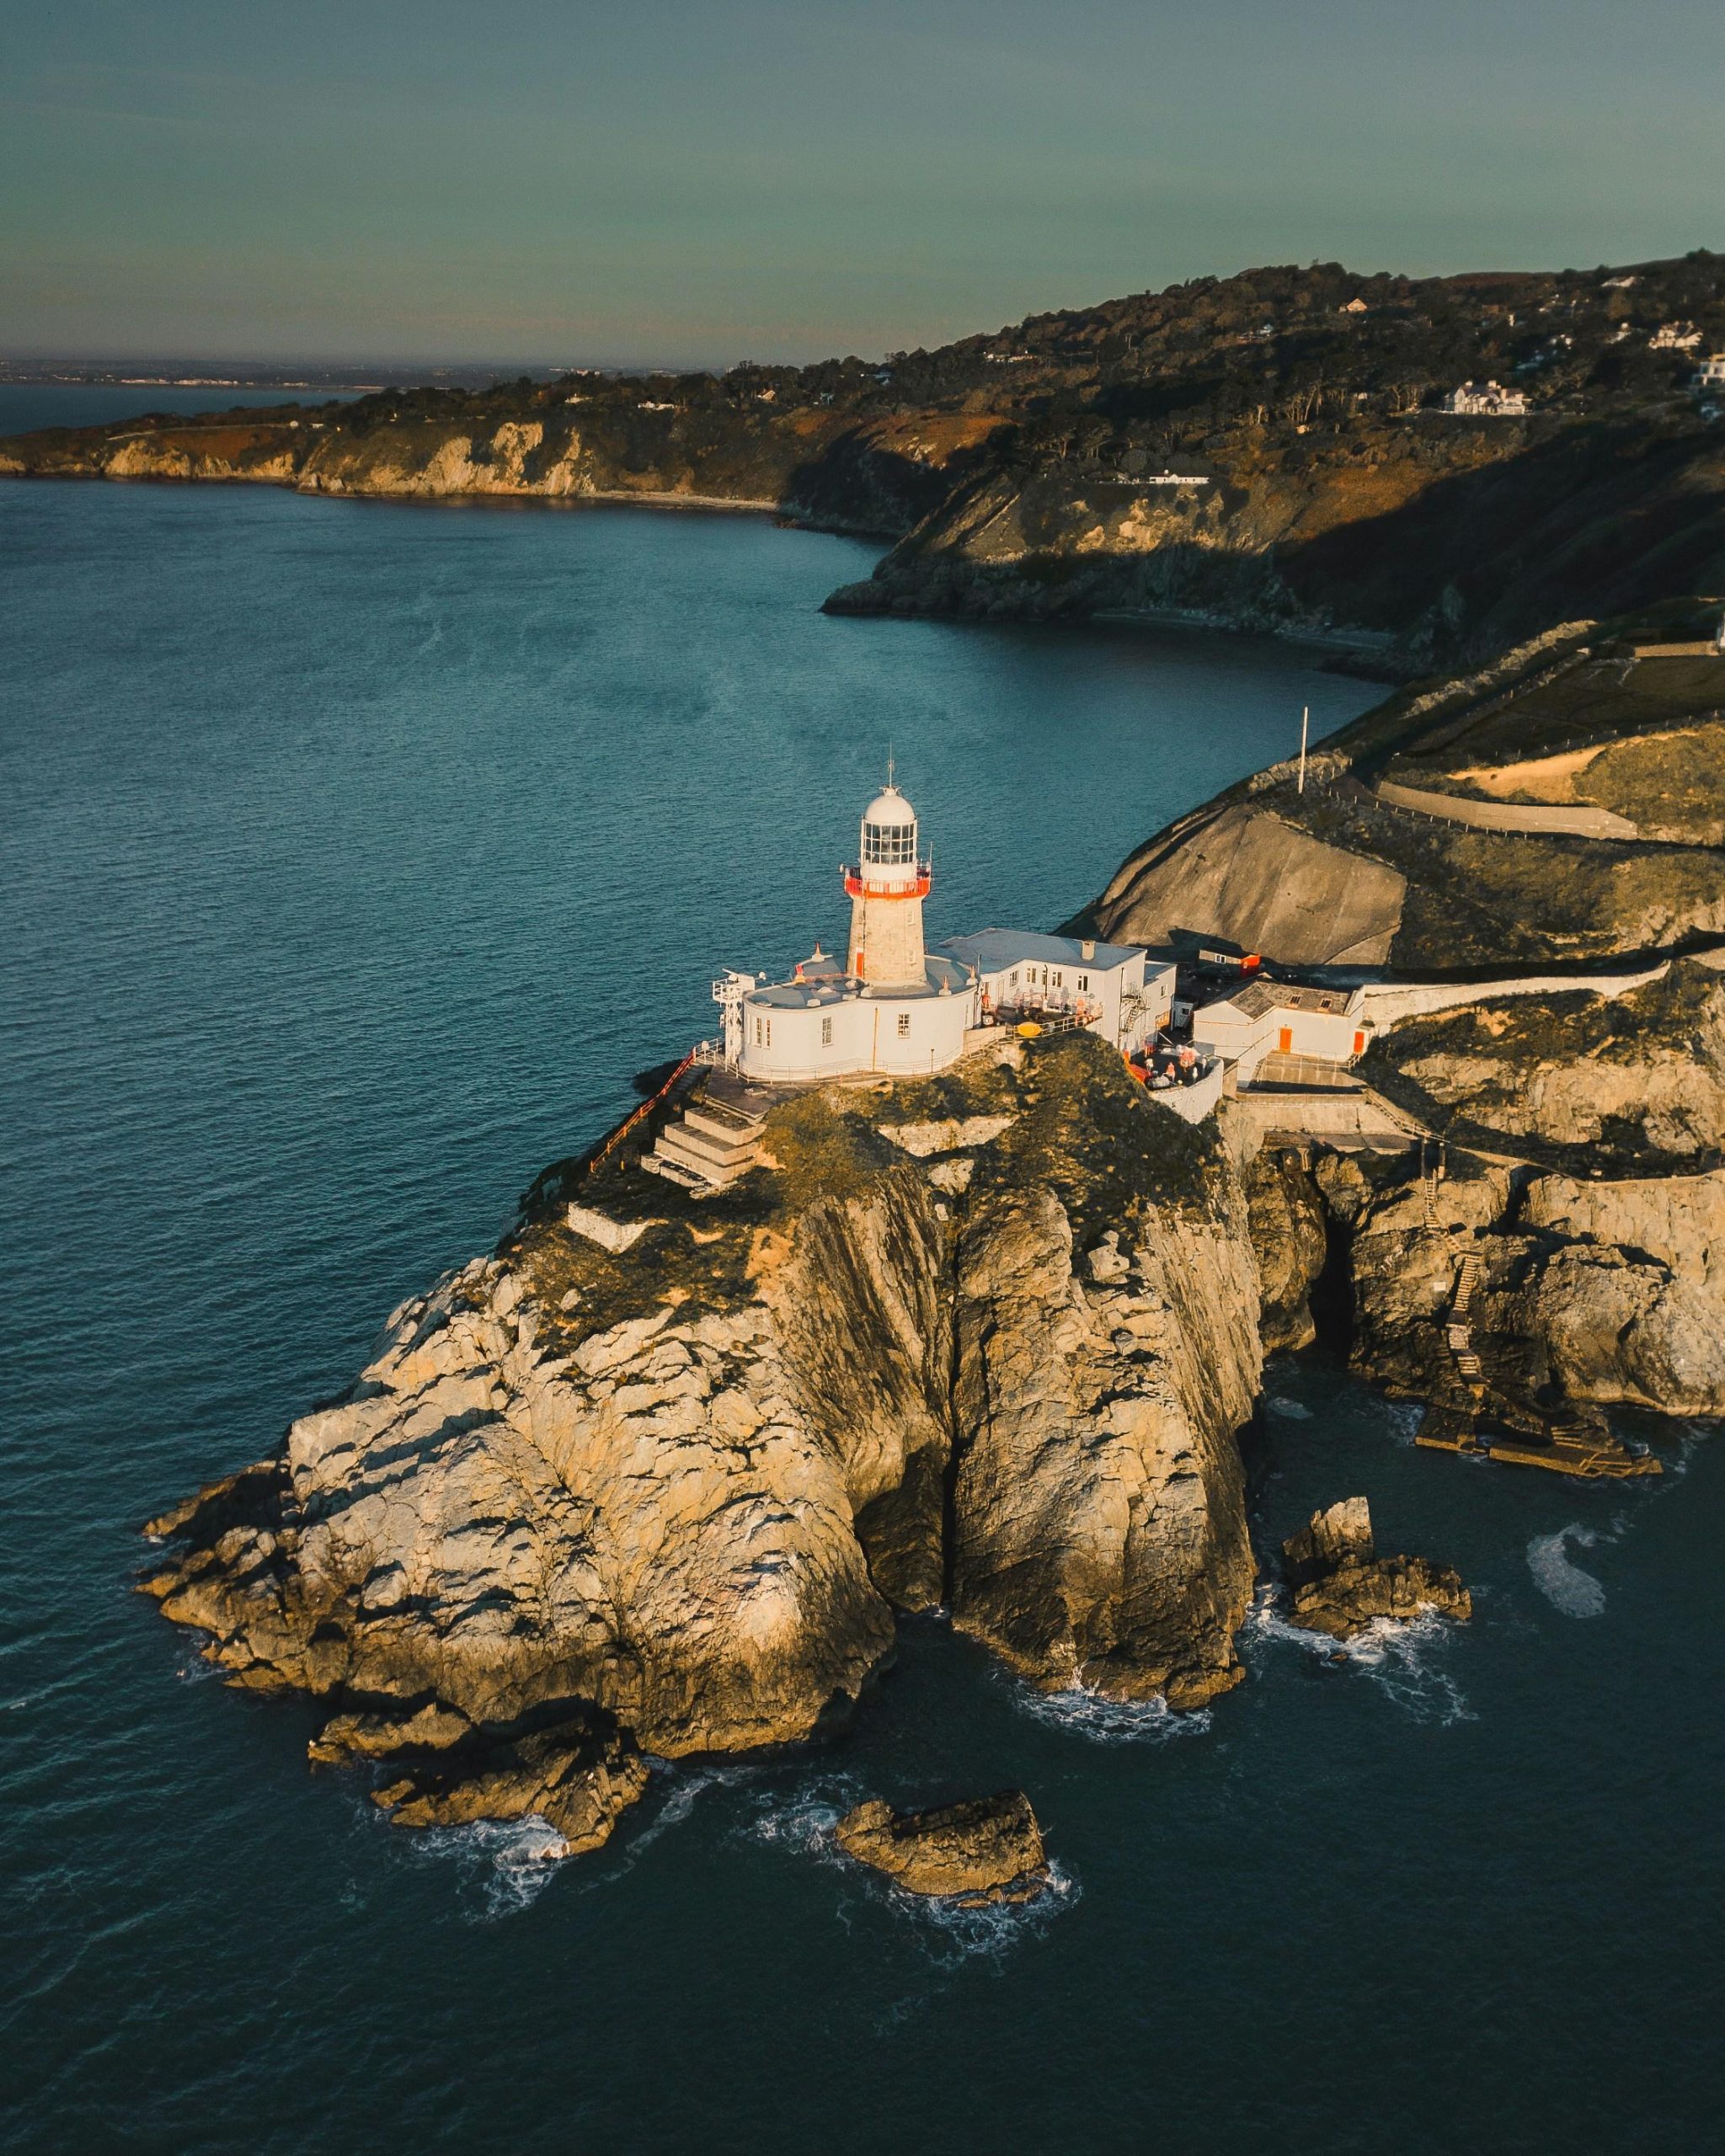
797,1350
1420,471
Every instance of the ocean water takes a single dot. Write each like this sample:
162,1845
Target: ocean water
352,856
26,405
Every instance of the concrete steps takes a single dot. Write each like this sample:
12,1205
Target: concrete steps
709,1146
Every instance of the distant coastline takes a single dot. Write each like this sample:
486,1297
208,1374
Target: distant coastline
1299,452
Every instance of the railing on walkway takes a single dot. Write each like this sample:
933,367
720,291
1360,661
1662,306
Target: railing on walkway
635,1120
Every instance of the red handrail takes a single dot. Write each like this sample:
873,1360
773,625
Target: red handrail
629,1123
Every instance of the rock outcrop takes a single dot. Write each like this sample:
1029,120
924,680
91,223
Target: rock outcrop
663,1492
1099,1495
1341,1585
1581,1295
986,1850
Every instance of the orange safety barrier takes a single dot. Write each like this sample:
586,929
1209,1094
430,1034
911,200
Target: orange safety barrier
631,1122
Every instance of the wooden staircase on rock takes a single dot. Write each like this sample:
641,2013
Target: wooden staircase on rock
1572,1438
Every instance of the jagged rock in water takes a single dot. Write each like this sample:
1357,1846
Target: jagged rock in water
586,1502
574,1772
1342,1535
988,1849
1341,1585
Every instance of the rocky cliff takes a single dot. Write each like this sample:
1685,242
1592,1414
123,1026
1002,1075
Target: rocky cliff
1477,875
1265,451
1550,1010
588,1502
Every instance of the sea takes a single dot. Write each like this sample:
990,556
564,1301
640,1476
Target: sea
353,858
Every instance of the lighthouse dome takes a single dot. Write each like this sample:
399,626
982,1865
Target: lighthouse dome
889,806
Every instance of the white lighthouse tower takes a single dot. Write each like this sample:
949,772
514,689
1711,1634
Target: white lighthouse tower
887,888
891,1007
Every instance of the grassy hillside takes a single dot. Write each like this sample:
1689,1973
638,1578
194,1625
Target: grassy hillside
1345,873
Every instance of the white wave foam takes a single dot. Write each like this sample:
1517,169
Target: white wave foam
682,1788
955,1936
1401,1659
1404,1418
804,1822
1088,1713
1292,1410
1565,1585
508,1862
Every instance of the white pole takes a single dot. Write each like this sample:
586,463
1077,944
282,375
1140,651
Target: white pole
1304,722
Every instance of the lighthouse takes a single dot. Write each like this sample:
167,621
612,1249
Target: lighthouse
886,889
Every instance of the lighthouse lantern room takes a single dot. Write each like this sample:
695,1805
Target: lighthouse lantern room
886,889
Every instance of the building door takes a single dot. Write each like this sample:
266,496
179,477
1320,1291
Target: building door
1284,1040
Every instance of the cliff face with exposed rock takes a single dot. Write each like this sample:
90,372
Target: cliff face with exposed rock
587,1502
1341,873
658,1477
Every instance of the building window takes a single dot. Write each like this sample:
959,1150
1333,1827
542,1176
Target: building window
757,1032
826,1033
1059,979
1012,978
904,1025
1084,983
769,1033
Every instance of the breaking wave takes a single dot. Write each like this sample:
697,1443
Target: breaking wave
1293,1410
1085,1713
804,1822
502,1864
1404,1661
1565,1585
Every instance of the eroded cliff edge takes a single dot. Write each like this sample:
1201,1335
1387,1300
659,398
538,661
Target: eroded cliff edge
984,1341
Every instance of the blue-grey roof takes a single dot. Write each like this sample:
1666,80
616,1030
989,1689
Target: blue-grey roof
993,950
820,986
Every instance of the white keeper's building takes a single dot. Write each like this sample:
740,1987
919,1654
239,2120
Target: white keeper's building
894,1005
1111,989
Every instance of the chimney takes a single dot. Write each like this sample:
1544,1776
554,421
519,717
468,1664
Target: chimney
1087,949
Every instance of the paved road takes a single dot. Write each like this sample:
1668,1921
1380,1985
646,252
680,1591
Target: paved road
1529,817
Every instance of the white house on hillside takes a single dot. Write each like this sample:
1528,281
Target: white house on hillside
893,1004
1485,400
1272,1017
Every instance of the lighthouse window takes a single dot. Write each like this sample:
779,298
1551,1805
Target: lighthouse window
889,842
757,1032
904,1025
826,1033
769,1033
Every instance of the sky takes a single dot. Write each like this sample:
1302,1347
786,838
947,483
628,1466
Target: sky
693,182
